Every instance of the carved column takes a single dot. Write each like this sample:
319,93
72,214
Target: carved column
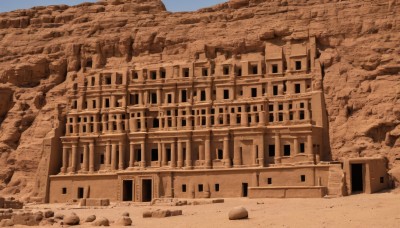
180,154
108,155
91,157
295,147
201,152
159,150
113,156
255,153
237,156
65,159
278,153
207,151
142,121
227,159
74,157
143,155
132,155
121,156
85,158
189,154
244,116
261,150
173,154
310,147
164,154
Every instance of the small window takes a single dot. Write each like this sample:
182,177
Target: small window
271,150
119,79
102,159
280,107
301,115
220,154
382,180
253,92
163,73
271,117
303,178
280,117
226,94
184,188
185,72
286,150
153,75
81,158
184,96
217,187
183,123
302,147
297,88
203,95
80,193
274,68
200,188
107,103
269,180
239,72
154,155
275,90
169,98
254,69
205,72
156,123
108,80
154,98
135,75
64,191
298,65
226,70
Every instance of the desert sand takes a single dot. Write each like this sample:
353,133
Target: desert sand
362,210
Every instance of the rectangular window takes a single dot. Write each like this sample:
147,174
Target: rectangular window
297,88
184,188
119,79
303,178
280,107
205,72
253,92
290,115
135,75
108,80
93,104
184,96
153,98
271,150
203,95
163,73
302,148
269,180
200,188
220,154
185,72
301,115
271,117
139,155
226,70
217,187
93,80
183,123
102,159
226,94
254,69
298,65
239,72
154,154
80,193
271,108
64,191
286,150
107,103
280,117
169,98
81,158
275,90
274,68
382,180
153,75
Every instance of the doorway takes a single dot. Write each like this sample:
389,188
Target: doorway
147,190
127,191
357,184
244,189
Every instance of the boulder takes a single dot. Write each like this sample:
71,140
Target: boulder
238,213
6,223
48,214
124,221
72,220
91,218
147,214
59,216
101,222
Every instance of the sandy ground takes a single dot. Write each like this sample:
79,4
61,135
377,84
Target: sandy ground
377,210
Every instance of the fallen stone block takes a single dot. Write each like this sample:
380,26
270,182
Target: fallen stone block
26,219
218,201
97,202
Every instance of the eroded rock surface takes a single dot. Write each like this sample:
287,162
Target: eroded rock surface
45,50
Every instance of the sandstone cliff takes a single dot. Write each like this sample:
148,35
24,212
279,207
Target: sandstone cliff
43,50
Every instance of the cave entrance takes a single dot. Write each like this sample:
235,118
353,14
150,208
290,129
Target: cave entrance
357,178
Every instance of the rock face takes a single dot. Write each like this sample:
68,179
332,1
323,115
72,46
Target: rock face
238,213
44,50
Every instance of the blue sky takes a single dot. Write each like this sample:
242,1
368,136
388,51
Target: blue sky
172,5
